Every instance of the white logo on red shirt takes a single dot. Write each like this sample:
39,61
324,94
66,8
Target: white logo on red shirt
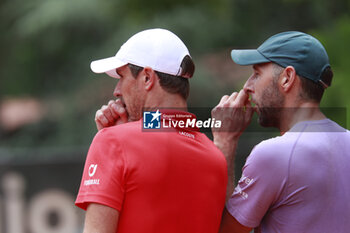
92,169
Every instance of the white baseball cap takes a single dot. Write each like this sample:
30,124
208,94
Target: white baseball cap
157,48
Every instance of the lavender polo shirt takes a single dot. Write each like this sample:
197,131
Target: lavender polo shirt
298,182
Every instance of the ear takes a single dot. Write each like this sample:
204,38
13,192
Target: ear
150,78
288,78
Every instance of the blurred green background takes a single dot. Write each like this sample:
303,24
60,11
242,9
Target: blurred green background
49,96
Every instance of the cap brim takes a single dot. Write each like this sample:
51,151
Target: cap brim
107,65
248,57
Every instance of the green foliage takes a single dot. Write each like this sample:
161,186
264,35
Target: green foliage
336,41
46,47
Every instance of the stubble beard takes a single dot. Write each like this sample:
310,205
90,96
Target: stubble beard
135,107
134,112
271,111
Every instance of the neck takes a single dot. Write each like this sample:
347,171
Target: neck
167,101
306,111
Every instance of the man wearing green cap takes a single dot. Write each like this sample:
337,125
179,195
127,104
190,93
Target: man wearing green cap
297,182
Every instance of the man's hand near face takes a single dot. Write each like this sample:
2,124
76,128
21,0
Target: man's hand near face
112,114
235,113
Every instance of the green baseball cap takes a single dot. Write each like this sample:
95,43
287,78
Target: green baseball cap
300,50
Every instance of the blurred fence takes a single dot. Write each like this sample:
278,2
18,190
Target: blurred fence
38,190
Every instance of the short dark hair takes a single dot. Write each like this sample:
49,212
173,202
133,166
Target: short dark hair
310,90
175,84
135,70
313,91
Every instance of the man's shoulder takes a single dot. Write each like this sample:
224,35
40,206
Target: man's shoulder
123,129
279,144
117,134
269,159
273,151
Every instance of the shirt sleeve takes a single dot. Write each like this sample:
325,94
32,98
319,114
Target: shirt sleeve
103,179
263,178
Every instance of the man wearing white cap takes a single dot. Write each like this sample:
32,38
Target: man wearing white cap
136,181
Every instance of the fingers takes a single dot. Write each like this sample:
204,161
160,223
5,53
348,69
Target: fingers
101,120
110,105
118,109
112,114
235,112
99,125
236,99
241,98
232,97
223,100
107,112
249,111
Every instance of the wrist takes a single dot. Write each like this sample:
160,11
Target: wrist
225,140
226,145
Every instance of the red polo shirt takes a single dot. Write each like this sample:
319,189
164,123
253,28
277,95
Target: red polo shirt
173,181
